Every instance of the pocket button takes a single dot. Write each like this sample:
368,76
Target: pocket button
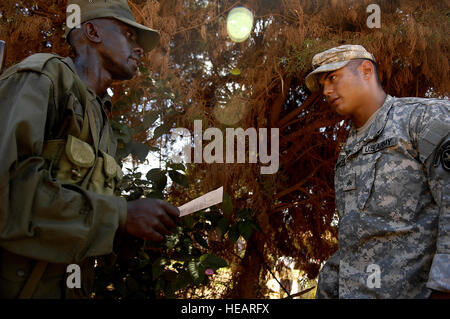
20,272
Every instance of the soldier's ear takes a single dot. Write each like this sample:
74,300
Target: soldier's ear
91,32
367,69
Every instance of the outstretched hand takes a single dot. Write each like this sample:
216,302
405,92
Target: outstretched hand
151,219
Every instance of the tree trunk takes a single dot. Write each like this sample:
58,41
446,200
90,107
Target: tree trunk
247,285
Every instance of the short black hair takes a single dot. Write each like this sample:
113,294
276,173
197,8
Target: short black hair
354,64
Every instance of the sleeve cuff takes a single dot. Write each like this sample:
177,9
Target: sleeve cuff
439,278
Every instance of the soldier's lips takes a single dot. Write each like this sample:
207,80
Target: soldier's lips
135,62
334,102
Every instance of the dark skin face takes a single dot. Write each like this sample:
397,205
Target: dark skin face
107,50
121,53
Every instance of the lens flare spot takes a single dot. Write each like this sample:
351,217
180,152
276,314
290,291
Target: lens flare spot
235,71
239,24
231,111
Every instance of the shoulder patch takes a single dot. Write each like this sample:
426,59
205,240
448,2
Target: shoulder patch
443,156
431,138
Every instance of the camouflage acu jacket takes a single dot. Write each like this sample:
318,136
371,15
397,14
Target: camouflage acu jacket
393,199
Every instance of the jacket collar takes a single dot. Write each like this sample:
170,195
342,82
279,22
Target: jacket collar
376,128
105,100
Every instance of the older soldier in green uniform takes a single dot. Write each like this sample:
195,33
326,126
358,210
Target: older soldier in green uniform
57,167
392,183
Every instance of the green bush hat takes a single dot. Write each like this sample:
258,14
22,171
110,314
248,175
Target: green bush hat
120,10
334,59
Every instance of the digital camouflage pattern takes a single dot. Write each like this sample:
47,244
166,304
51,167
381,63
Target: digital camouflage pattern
393,199
334,59
42,218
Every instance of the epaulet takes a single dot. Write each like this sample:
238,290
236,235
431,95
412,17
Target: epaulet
34,63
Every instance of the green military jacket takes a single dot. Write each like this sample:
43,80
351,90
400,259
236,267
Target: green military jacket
392,188
52,162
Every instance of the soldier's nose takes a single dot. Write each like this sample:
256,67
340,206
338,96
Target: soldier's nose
139,51
327,90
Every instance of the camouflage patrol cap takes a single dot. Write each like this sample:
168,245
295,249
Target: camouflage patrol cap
118,9
334,59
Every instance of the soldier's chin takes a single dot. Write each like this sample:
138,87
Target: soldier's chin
341,110
127,74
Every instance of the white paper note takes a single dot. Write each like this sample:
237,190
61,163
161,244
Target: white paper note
202,202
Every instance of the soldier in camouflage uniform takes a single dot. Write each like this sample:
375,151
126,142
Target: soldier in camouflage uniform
57,167
392,183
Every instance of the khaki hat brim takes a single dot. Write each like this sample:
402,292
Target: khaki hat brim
312,79
147,38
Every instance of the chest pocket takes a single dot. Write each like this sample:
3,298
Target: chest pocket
354,182
107,173
398,184
345,182
366,178
74,161
78,158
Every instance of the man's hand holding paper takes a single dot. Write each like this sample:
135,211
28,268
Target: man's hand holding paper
153,219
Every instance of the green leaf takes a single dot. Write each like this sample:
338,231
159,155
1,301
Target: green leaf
157,268
235,71
140,150
193,270
177,166
212,261
244,213
223,224
158,178
233,234
179,178
123,150
188,221
245,229
200,240
227,205
172,241
121,131
183,279
155,193
161,130
150,118
147,121
143,70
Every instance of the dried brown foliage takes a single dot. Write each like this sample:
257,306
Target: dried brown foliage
295,207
